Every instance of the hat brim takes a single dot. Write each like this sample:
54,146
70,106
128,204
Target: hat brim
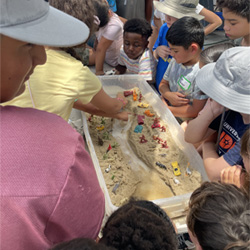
171,11
55,29
222,94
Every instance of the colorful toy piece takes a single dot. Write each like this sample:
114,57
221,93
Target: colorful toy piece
176,181
163,129
134,95
138,129
156,125
148,113
108,169
140,97
99,128
176,168
142,105
140,119
128,93
108,149
164,144
160,165
143,139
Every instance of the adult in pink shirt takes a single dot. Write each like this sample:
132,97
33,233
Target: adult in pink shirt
49,189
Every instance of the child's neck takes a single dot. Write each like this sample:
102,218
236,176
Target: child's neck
246,40
193,61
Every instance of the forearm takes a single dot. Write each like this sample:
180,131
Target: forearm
164,88
184,111
212,162
99,61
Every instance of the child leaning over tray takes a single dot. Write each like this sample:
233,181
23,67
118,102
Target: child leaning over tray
135,57
178,89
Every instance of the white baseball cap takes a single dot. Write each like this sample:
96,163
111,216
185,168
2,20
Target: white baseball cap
36,22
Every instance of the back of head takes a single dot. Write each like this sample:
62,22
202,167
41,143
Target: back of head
212,53
102,11
83,10
80,244
138,26
219,216
185,31
239,7
134,227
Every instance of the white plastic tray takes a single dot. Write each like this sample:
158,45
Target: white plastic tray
176,205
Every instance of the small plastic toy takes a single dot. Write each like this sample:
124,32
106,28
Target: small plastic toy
100,141
138,129
90,118
156,125
128,93
160,165
134,95
176,168
164,144
163,129
176,181
99,128
106,136
142,105
140,97
148,113
188,171
115,187
140,119
108,149
143,139
108,169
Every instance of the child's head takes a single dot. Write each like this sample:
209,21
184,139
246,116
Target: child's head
245,149
218,217
230,76
83,10
102,11
81,244
135,37
175,9
26,25
185,38
135,227
212,53
236,14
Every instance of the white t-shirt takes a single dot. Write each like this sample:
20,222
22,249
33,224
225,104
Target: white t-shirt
112,31
160,15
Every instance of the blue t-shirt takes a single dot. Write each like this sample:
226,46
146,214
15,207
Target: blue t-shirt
162,64
112,5
232,130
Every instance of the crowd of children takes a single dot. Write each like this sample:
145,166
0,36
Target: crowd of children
50,194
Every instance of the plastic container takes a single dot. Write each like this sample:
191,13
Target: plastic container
174,206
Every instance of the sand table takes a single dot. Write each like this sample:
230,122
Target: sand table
136,160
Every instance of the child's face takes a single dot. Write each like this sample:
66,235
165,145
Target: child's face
170,20
180,54
18,60
235,26
134,44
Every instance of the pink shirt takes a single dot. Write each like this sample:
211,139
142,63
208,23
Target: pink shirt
112,31
49,188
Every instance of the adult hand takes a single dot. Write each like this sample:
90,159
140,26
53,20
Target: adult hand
176,99
231,175
163,51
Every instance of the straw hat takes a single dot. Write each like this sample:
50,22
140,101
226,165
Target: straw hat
178,8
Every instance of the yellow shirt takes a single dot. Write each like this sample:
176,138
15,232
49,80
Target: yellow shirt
56,85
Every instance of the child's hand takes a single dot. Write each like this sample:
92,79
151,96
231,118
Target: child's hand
231,175
163,51
176,99
123,116
122,98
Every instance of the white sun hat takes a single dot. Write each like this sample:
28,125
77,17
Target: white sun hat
228,80
36,22
178,8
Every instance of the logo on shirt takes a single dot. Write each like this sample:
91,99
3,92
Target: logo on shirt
226,141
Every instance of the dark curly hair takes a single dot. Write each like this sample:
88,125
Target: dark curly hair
102,11
134,227
239,7
138,26
81,244
219,216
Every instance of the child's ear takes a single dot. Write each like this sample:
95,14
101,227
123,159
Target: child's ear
194,47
